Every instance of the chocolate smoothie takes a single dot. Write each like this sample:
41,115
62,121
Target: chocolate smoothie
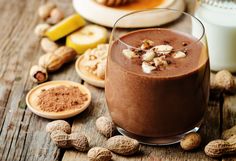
167,101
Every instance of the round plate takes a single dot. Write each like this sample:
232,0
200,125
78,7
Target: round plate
32,96
98,13
86,76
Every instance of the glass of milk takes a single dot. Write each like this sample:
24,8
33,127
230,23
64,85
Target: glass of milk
219,19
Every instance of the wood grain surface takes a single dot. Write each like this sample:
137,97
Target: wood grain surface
22,134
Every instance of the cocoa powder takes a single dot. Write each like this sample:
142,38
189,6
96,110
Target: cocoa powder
61,98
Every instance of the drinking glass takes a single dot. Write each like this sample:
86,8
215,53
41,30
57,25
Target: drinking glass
159,107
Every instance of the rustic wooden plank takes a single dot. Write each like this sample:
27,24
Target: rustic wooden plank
22,135
229,118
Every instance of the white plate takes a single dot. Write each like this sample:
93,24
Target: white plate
32,96
86,76
107,16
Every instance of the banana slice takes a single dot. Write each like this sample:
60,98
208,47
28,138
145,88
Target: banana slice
86,38
65,27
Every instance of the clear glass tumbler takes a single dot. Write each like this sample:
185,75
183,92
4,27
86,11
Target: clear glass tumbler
160,103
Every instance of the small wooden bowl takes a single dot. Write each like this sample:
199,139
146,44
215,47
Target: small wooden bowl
32,96
86,76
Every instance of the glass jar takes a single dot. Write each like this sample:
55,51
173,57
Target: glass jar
219,19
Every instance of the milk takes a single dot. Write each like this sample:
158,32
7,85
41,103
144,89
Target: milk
220,25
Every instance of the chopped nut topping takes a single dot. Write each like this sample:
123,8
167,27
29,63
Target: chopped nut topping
184,44
129,54
149,55
163,49
95,60
160,61
100,72
153,57
147,44
179,54
147,68
92,57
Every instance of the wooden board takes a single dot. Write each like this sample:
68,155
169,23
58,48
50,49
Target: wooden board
22,134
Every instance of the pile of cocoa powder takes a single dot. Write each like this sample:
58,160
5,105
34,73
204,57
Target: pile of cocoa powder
61,98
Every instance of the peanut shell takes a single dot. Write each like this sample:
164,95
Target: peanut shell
123,145
105,126
58,125
99,154
224,80
48,45
229,133
45,10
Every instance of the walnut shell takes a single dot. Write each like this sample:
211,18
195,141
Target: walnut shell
122,145
99,154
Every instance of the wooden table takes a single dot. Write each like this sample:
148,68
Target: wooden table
22,133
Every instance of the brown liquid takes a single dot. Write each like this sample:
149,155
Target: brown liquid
162,103
141,4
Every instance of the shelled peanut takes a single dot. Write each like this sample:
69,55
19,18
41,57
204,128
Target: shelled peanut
190,141
95,60
38,74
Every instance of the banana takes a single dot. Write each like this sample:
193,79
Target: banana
86,38
65,27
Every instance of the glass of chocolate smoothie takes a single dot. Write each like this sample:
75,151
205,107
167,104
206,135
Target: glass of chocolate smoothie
157,76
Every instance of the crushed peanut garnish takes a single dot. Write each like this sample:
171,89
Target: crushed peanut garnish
153,57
